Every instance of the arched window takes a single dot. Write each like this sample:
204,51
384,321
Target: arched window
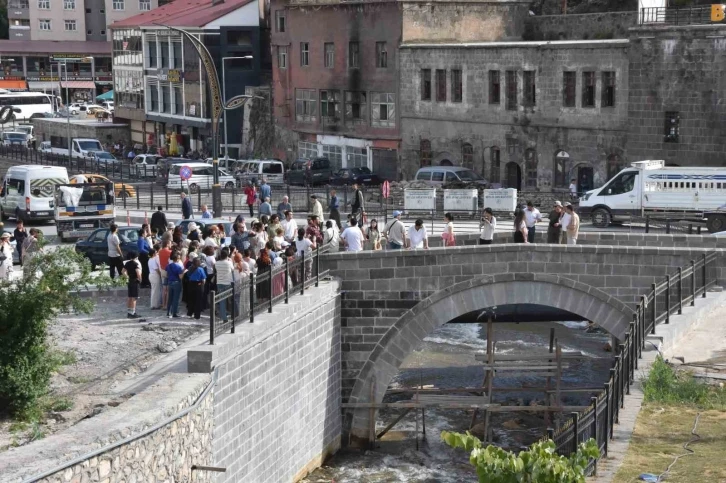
560,171
530,168
425,153
495,169
614,165
467,155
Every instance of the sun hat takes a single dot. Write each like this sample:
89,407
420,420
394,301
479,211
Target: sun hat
397,213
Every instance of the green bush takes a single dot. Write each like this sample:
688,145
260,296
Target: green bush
666,385
28,307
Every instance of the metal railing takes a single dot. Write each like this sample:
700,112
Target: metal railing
687,15
260,293
664,299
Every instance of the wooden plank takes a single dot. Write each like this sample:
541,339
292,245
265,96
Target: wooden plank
501,409
393,423
412,405
455,390
530,357
548,367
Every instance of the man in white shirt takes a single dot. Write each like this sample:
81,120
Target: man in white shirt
564,223
573,188
353,238
531,217
487,227
290,227
317,209
224,269
418,237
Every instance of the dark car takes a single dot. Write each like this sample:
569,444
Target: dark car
95,247
348,176
310,171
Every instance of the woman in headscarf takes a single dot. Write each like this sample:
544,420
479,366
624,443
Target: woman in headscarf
264,266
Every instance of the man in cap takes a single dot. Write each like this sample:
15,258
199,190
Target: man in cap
395,232
555,229
317,208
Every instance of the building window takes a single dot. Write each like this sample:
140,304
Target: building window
588,89
176,50
304,54
495,169
330,105
69,4
383,109
440,85
425,154
355,108
152,89
282,57
307,150
44,4
561,159
90,32
305,102
334,153
381,55
569,88
608,89
530,89
329,55
425,84
530,166
70,26
178,100
280,20
614,165
44,24
494,87
467,155
165,98
511,86
153,59
164,49
353,55
103,32
357,157
144,5
672,127
511,145
456,86
118,5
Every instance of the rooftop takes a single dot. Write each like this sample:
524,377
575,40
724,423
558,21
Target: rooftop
54,47
182,13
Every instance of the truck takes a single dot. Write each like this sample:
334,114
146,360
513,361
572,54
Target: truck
82,148
81,208
651,187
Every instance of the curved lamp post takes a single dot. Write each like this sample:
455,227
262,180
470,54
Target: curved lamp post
219,105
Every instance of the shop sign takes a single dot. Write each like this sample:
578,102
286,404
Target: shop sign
70,58
419,199
171,75
103,78
12,78
54,78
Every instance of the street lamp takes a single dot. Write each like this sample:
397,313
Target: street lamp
224,95
68,105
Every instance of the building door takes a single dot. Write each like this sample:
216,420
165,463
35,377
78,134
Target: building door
514,175
385,164
584,178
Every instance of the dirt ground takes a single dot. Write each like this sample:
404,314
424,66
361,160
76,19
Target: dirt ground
105,348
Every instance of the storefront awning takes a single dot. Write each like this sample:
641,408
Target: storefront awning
13,84
78,84
42,86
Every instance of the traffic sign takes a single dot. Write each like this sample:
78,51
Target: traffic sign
386,189
185,173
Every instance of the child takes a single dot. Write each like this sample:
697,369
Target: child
132,269
279,240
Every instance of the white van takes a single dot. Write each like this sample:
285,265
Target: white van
270,169
28,191
202,177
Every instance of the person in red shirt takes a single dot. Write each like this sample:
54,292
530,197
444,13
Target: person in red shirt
164,255
251,194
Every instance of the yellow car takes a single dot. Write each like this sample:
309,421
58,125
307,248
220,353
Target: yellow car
122,190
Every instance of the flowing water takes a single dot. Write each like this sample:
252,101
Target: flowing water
446,360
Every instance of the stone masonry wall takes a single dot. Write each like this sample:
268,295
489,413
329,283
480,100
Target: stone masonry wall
605,25
379,287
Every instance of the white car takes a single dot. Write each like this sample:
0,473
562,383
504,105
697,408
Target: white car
75,108
108,105
144,165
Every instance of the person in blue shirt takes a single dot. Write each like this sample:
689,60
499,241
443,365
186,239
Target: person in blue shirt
174,272
265,190
143,246
205,212
197,277
334,206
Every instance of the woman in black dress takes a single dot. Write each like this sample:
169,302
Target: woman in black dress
264,266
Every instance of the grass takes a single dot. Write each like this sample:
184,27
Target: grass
673,399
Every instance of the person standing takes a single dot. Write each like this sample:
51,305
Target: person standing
395,232
205,213
6,257
573,189
197,278
273,226
224,269
317,208
265,207
448,234
115,255
265,190
143,245
573,225
290,226
353,237
313,229
331,236
334,206
240,237
186,204
564,221
174,272
283,207
357,207
31,245
520,227
155,280
373,236
554,229
532,216
250,197
158,220
264,265
418,237
19,234
132,268
164,257
488,226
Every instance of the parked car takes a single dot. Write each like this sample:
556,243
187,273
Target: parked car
270,169
310,171
348,176
105,161
15,138
122,190
75,108
441,175
162,168
108,105
144,165
95,247
202,177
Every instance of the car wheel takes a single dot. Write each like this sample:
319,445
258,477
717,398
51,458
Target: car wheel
18,216
716,223
229,185
600,218
193,188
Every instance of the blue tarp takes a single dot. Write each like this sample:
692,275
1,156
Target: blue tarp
106,96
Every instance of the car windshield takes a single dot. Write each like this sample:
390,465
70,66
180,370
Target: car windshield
151,160
14,135
362,170
468,175
90,145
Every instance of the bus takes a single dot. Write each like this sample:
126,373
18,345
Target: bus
30,104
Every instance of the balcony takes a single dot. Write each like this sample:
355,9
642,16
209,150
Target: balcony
18,10
693,15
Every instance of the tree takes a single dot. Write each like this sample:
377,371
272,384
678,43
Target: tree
4,34
539,464
28,307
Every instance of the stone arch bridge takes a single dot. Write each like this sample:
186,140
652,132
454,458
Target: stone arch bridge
393,299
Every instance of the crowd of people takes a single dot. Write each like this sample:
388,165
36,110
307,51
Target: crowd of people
563,227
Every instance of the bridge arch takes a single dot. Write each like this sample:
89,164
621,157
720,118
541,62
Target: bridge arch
478,293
